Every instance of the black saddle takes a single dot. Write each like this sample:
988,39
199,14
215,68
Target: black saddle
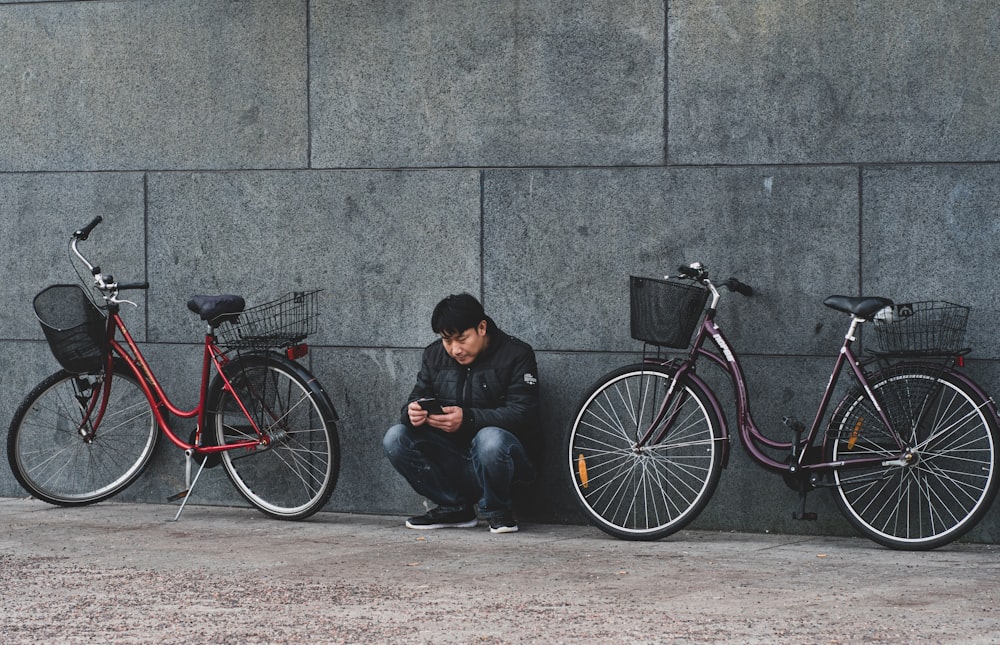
216,310
861,307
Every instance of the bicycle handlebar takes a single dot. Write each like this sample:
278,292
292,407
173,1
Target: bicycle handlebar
106,283
133,286
84,232
739,287
699,272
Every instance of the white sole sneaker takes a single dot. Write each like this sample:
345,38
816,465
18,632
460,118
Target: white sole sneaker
454,525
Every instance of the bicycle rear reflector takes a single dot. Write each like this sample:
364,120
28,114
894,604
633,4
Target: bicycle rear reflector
853,439
297,351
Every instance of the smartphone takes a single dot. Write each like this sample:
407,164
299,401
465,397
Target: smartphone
432,405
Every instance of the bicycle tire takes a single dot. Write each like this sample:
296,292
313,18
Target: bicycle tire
55,463
652,492
295,476
951,480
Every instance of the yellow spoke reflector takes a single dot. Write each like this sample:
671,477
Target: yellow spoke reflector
581,468
853,439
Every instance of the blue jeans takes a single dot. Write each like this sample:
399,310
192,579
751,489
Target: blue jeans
455,477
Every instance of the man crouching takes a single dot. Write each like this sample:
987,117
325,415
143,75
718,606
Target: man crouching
467,432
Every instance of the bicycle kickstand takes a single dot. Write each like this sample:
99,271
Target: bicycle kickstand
186,493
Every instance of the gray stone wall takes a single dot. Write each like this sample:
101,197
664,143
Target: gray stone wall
532,153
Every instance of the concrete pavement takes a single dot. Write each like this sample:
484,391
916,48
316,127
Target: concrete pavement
125,573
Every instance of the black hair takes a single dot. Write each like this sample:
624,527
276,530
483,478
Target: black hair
456,313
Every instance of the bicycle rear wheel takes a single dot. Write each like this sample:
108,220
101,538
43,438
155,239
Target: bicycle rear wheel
61,455
946,479
648,492
295,475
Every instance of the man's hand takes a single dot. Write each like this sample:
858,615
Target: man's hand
418,415
450,421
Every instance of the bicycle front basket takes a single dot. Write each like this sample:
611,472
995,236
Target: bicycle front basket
280,323
665,312
930,327
74,326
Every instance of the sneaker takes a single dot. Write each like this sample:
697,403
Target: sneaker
503,523
441,519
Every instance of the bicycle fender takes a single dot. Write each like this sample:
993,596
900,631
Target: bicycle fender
315,387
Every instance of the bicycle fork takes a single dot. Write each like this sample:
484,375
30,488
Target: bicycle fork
664,418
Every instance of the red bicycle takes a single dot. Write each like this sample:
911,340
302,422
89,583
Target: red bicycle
89,430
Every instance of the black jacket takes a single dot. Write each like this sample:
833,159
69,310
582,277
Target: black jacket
499,389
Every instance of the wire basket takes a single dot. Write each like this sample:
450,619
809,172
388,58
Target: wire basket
283,322
665,312
74,326
931,327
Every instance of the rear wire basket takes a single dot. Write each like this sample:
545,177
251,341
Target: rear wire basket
665,312
284,322
929,328
74,326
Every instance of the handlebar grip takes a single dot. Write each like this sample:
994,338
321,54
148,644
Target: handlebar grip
133,285
735,285
84,232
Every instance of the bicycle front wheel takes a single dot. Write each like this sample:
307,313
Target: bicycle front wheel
63,451
295,474
650,491
942,481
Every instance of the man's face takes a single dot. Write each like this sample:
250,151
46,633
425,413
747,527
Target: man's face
466,346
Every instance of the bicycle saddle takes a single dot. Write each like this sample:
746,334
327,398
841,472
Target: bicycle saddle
861,307
217,309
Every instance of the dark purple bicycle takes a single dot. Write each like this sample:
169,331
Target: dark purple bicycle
909,453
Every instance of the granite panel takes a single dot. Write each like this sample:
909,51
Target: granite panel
559,246
792,81
473,83
927,230
39,213
384,246
147,84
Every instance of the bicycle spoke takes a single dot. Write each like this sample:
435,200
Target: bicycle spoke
56,463
644,491
947,478
294,474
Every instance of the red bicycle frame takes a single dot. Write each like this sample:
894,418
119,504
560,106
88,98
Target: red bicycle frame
157,397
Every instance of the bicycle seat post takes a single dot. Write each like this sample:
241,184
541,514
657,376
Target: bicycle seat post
797,428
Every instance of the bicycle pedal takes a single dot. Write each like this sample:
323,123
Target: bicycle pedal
806,516
180,495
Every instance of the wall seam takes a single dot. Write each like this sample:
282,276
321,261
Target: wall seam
309,163
482,237
666,83
145,245
861,212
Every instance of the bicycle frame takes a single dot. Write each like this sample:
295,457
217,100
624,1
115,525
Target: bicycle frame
130,353
754,441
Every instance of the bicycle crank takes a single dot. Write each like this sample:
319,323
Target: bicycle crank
794,480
